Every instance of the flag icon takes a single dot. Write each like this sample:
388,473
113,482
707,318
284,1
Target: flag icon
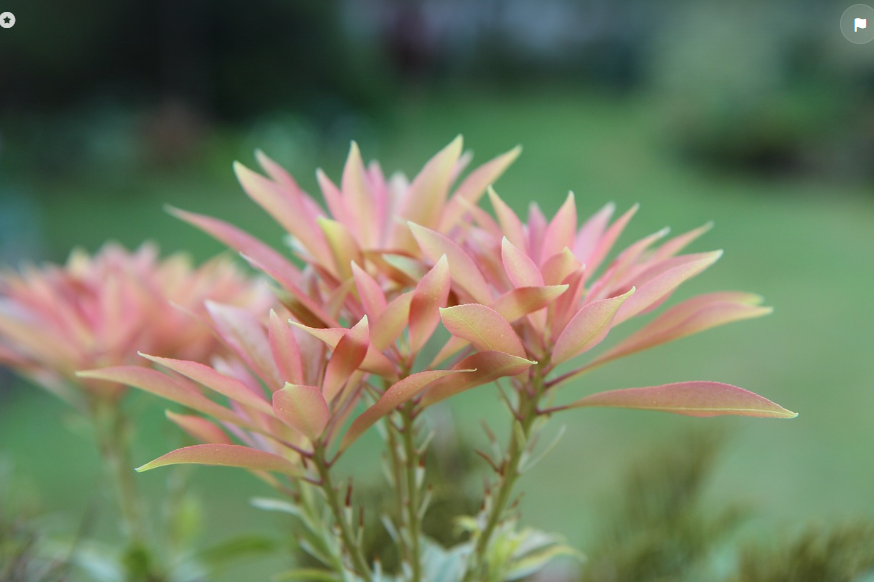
860,23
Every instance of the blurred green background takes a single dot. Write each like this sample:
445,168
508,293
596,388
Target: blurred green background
757,115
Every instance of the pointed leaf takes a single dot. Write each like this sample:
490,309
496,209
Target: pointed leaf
285,206
690,317
689,398
347,357
372,297
224,456
303,408
164,386
559,266
427,193
483,327
430,295
392,322
206,376
462,268
398,394
344,247
473,187
604,242
587,328
663,284
359,202
243,333
487,366
560,232
285,350
200,428
509,221
517,303
521,270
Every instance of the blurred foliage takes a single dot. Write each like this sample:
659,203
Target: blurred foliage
659,529
822,553
764,86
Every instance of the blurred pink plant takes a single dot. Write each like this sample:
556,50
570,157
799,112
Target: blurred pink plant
98,310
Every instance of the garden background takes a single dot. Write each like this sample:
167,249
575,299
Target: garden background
758,116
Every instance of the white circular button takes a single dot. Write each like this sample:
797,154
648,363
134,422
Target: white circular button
857,24
7,20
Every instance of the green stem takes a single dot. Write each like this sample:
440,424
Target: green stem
529,396
113,435
347,536
397,472
413,500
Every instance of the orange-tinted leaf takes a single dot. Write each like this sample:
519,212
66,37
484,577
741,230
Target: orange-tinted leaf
396,395
206,376
510,223
690,317
521,270
358,199
463,269
200,428
483,327
430,295
372,297
663,284
487,366
561,231
285,350
303,408
347,357
689,398
392,322
517,303
242,331
587,328
224,456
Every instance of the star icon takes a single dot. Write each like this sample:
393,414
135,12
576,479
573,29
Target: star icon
7,20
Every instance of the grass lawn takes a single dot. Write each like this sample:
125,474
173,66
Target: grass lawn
808,247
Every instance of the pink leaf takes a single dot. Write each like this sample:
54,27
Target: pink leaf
286,207
560,232
559,266
462,268
430,295
606,241
224,456
392,322
487,366
375,361
523,272
164,386
663,284
242,242
587,328
347,357
473,187
246,336
690,317
372,297
344,248
200,428
678,243
358,199
689,398
396,395
285,350
483,327
517,303
206,376
427,194
510,223
303,408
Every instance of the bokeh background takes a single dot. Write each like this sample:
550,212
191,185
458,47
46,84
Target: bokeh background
757,115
